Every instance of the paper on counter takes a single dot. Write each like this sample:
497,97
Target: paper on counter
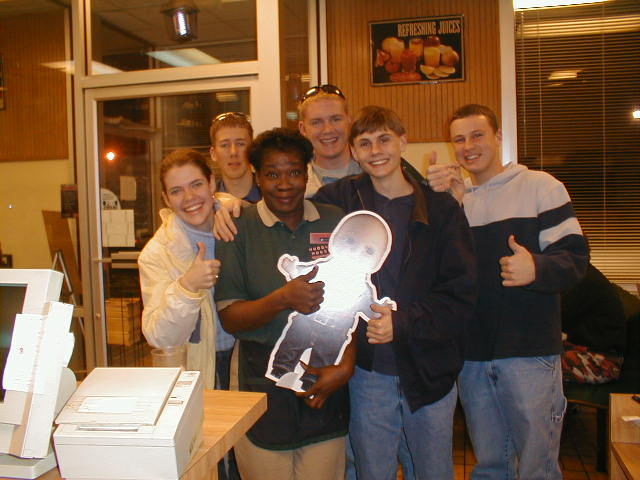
108,405
632,418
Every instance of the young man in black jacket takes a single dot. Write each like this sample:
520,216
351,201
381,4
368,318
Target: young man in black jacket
408,359
404,389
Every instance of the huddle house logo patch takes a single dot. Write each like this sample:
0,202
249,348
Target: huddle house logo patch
319,245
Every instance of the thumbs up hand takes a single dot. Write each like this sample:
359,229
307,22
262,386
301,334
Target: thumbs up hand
445,177
518,269
203,273
380,330
302,294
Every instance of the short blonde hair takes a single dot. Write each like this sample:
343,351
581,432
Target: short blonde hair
321,95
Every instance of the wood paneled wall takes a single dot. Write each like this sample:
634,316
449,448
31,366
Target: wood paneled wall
423,107
33,124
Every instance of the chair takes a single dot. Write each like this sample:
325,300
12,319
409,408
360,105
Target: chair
597,396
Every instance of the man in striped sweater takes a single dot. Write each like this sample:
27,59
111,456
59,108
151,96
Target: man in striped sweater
530,248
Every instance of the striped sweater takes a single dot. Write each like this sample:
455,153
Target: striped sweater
536,208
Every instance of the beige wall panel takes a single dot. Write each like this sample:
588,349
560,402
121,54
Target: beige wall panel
424,108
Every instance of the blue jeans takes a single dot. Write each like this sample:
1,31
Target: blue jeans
404,457
380,418
223,369
514,409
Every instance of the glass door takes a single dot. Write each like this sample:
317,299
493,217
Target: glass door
129,136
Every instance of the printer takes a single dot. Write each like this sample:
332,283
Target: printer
130,423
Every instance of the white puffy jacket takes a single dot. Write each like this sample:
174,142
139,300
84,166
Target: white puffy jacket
170,311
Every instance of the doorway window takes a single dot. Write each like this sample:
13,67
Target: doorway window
134,135
131,35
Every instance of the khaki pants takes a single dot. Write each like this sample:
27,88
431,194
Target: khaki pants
318,461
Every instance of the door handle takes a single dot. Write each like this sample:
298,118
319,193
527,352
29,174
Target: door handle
102,260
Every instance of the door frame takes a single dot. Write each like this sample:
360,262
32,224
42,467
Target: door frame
261,78
94,247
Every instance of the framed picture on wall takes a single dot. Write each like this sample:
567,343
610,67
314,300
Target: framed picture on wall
417,50
2,93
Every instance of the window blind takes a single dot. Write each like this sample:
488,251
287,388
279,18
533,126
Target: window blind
578,84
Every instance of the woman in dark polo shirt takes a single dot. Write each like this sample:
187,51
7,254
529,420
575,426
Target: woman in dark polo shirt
302,435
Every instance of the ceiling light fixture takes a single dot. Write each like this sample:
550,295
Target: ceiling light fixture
184,57
181,19
67,66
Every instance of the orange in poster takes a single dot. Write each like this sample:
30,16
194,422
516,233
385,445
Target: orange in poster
450,57
392,67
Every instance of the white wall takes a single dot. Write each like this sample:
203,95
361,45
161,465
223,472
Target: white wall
418,154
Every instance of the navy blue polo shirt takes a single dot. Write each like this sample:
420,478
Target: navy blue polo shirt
397,213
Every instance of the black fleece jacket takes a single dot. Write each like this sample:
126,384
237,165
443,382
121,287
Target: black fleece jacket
437,291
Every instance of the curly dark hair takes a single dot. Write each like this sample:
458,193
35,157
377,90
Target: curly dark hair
279,140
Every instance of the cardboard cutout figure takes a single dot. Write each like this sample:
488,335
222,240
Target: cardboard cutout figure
358,247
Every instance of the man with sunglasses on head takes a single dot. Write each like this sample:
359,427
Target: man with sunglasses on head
231,134
325,121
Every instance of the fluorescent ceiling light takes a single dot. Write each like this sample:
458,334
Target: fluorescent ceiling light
636,113
582,26
97,68
524,4
184,57
224,97
564,74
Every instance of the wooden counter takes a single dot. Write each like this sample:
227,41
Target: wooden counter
624,452
627,461
227,416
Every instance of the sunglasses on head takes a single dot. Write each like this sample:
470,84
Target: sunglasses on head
224,115
326,88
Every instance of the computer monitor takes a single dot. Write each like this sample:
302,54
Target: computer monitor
35,346
11,301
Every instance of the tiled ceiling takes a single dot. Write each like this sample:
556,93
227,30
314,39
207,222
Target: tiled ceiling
124,31
218,20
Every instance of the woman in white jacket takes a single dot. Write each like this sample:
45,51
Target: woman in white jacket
177,268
